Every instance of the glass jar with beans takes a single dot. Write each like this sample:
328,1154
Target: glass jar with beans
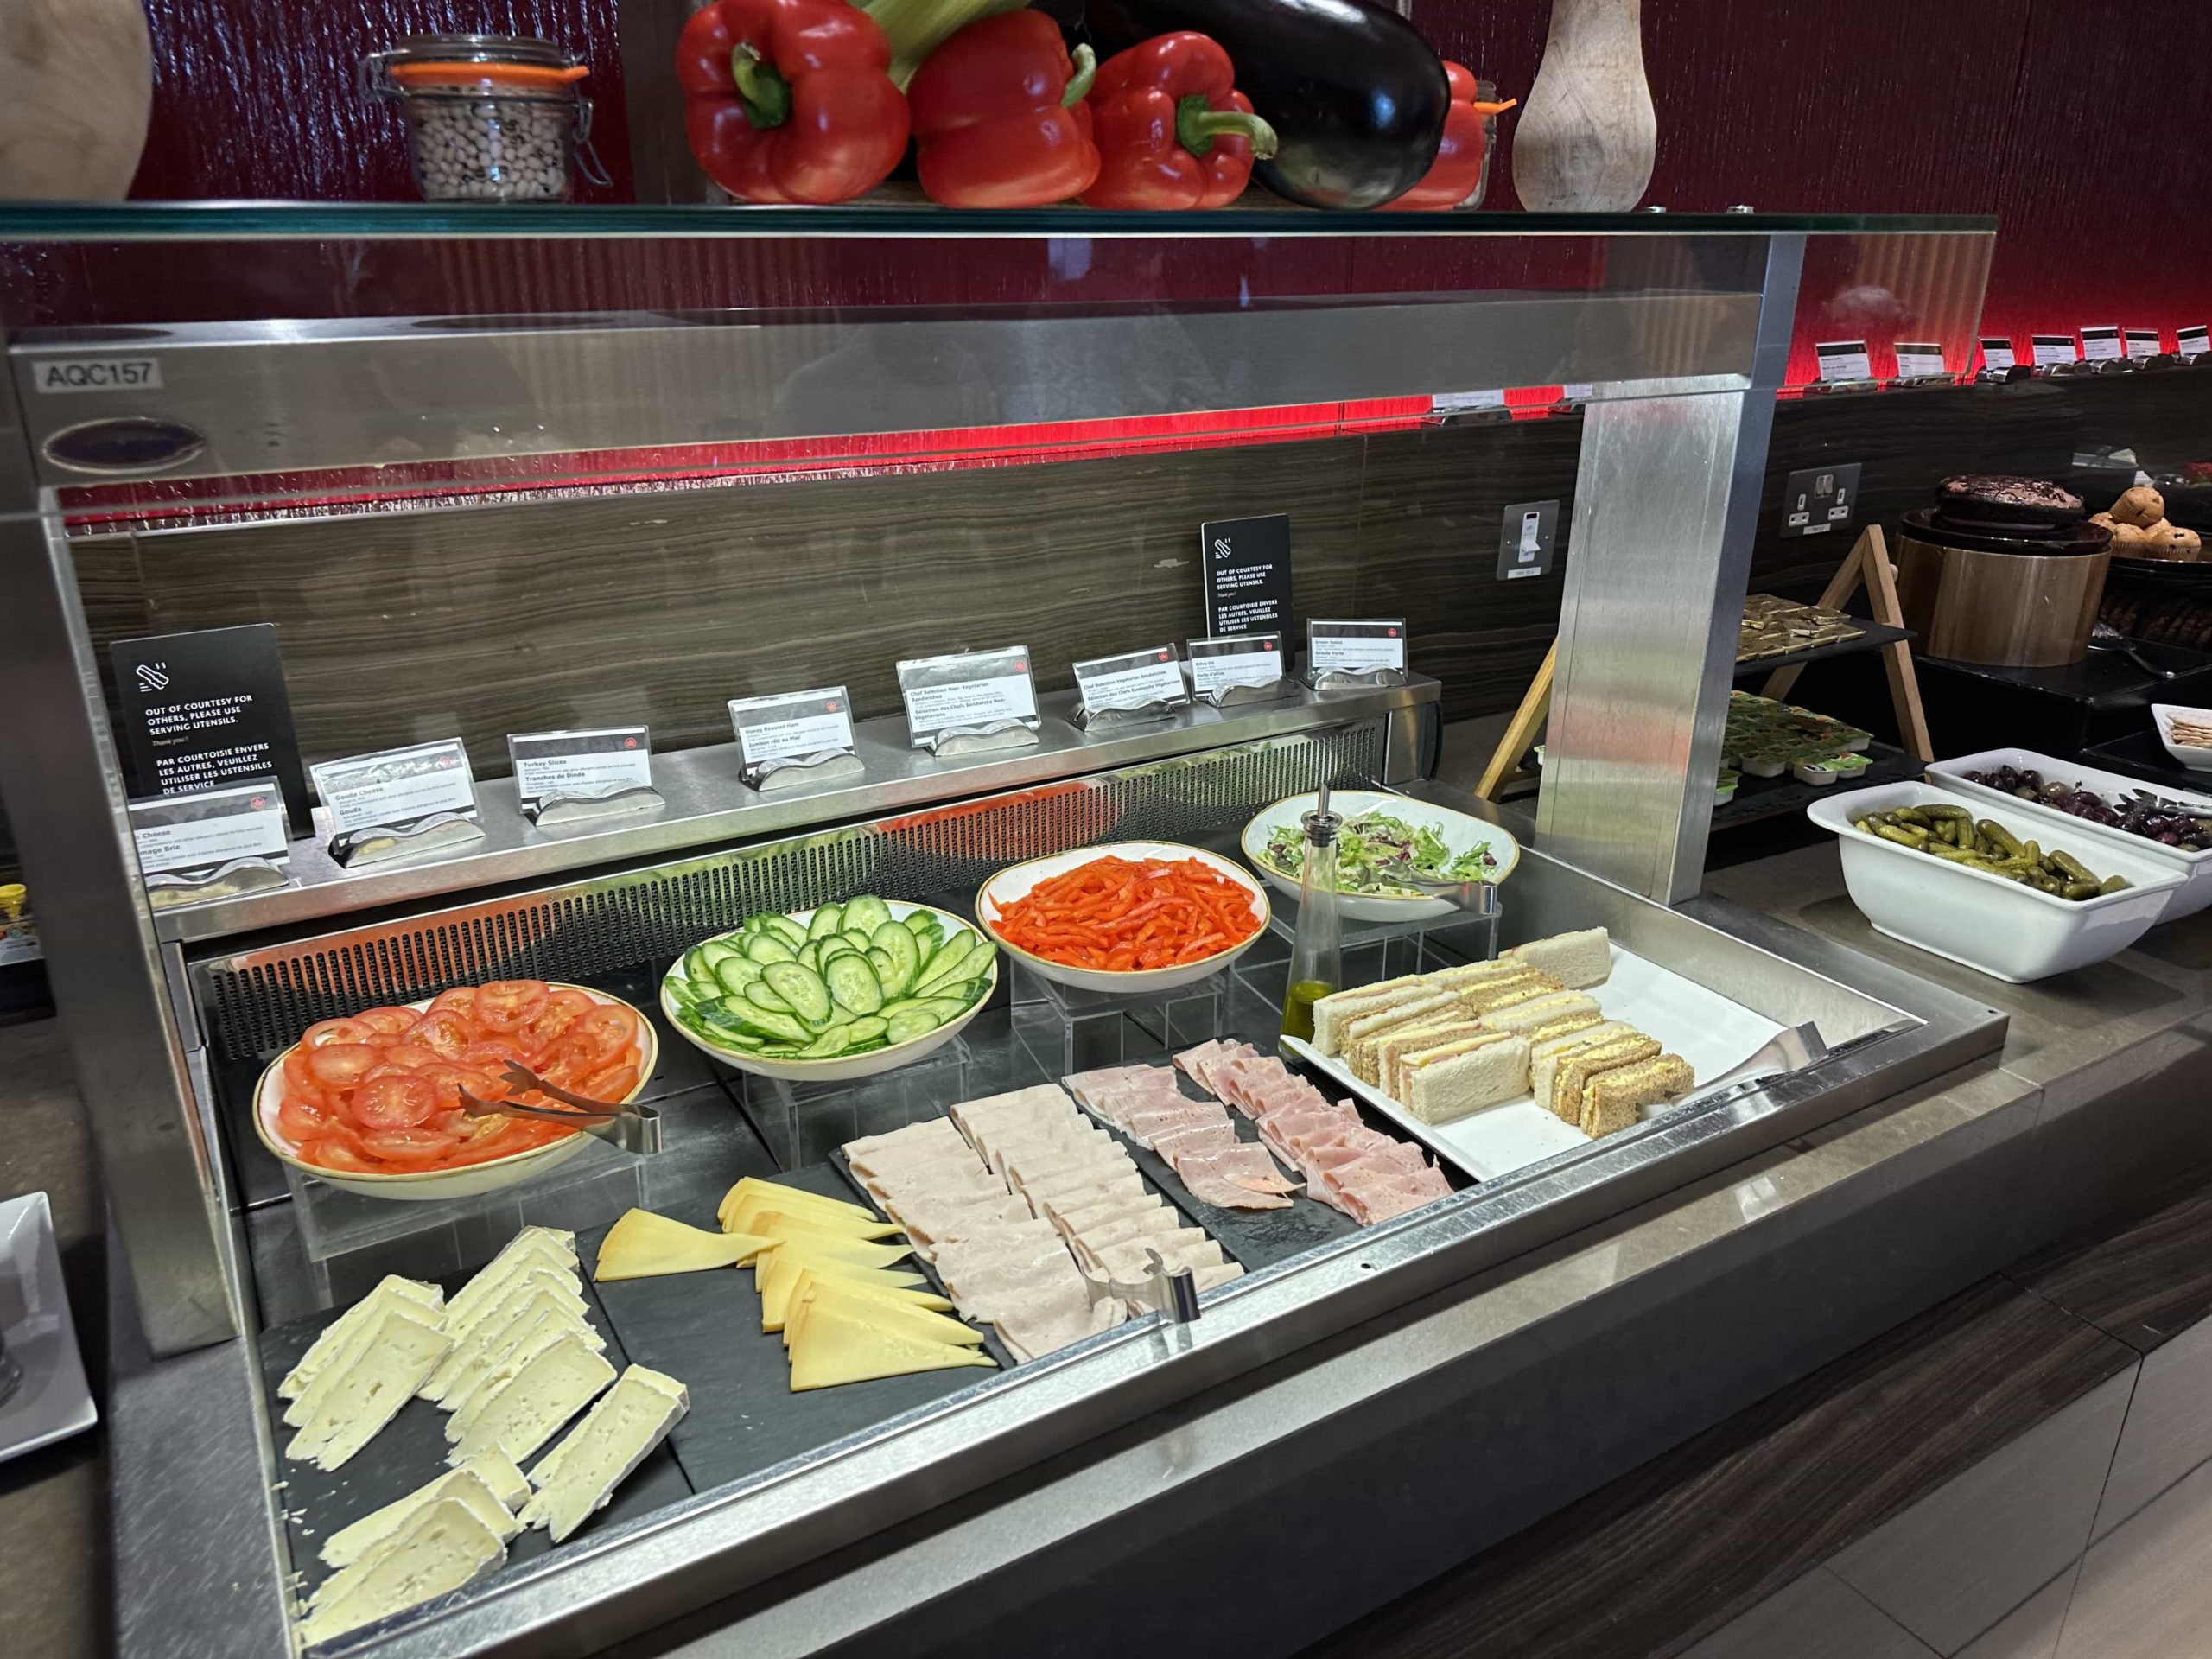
489,118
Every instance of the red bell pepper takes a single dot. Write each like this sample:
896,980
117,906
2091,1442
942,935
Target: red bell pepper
1173,131
1457,169
999,115
789,100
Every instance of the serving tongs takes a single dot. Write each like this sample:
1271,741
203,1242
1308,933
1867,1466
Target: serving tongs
1791,1049
1477,895
634,1129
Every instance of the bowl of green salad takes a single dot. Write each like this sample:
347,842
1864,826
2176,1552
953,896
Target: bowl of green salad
1382,833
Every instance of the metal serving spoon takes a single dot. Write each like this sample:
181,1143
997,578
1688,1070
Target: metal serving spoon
2105,637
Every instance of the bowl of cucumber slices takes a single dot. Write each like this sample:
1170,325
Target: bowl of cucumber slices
825,995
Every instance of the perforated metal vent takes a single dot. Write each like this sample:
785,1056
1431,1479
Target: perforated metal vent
257,1001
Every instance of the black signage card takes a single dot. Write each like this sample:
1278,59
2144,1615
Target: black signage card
1246,564
205,710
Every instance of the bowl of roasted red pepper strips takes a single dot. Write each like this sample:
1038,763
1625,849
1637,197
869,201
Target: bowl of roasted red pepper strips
1133,916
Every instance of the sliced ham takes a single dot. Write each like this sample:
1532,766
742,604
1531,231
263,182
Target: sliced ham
1146,1127
1088,1087
1193,1138
1378,1196
1208,1186
1202,1062
1246,1165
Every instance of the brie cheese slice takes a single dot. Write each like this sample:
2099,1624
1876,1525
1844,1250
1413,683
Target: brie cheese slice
490,1372
496,1331
531,1247
577,1477
445,1546
364,1390
333,1340
525,1411
469,1484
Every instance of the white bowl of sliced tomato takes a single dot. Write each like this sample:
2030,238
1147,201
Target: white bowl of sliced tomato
1128,917
371,1102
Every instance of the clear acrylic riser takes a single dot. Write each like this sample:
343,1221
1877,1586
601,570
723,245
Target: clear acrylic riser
351,1240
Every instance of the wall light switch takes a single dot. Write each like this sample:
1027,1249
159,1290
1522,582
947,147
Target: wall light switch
1526,539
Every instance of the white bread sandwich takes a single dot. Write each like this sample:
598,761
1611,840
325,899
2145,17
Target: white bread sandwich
1446,1084
1578,961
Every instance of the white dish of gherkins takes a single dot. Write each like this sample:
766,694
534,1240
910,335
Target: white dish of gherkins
829,994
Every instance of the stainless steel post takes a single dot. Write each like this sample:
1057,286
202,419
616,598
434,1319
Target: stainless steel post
1666,498
65,796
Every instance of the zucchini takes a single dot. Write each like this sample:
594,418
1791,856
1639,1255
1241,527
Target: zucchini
946,964
913,1022
902,951
825,921
853,983
787,930
765,947
800,986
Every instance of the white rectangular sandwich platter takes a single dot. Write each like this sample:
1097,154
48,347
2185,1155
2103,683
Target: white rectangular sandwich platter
1713,1033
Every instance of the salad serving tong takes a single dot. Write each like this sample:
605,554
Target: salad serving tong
633,1128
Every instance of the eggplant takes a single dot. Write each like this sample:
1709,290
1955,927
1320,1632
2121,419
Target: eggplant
1356,97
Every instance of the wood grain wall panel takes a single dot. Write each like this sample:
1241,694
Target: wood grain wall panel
398,628
1430,515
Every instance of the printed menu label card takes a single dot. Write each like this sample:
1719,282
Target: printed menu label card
580,765
2198,339
968,694
1250,659
1355,647
2099,345
208,708
1844,359
397,786
2052,348
2141,342
178,835
1246,566
1997,354
1136,680
796,726
1918,359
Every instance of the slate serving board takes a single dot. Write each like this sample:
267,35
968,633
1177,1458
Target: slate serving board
705,1328
411,1452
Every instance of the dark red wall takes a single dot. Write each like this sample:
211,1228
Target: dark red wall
2080,123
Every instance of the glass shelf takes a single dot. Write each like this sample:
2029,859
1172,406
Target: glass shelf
109,222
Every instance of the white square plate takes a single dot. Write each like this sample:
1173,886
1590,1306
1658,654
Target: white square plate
53,1402
1713,1033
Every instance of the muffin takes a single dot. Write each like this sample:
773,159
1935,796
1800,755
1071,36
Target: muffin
2140,505
2166,541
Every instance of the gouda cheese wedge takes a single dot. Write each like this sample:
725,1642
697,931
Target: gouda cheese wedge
778,1275
642,1245
835,1348
787,1198
860,1301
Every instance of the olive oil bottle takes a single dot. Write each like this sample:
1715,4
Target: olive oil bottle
1317,966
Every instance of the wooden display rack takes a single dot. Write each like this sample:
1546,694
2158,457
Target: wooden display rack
1868,563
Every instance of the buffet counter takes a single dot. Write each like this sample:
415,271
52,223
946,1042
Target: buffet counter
1525,1341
